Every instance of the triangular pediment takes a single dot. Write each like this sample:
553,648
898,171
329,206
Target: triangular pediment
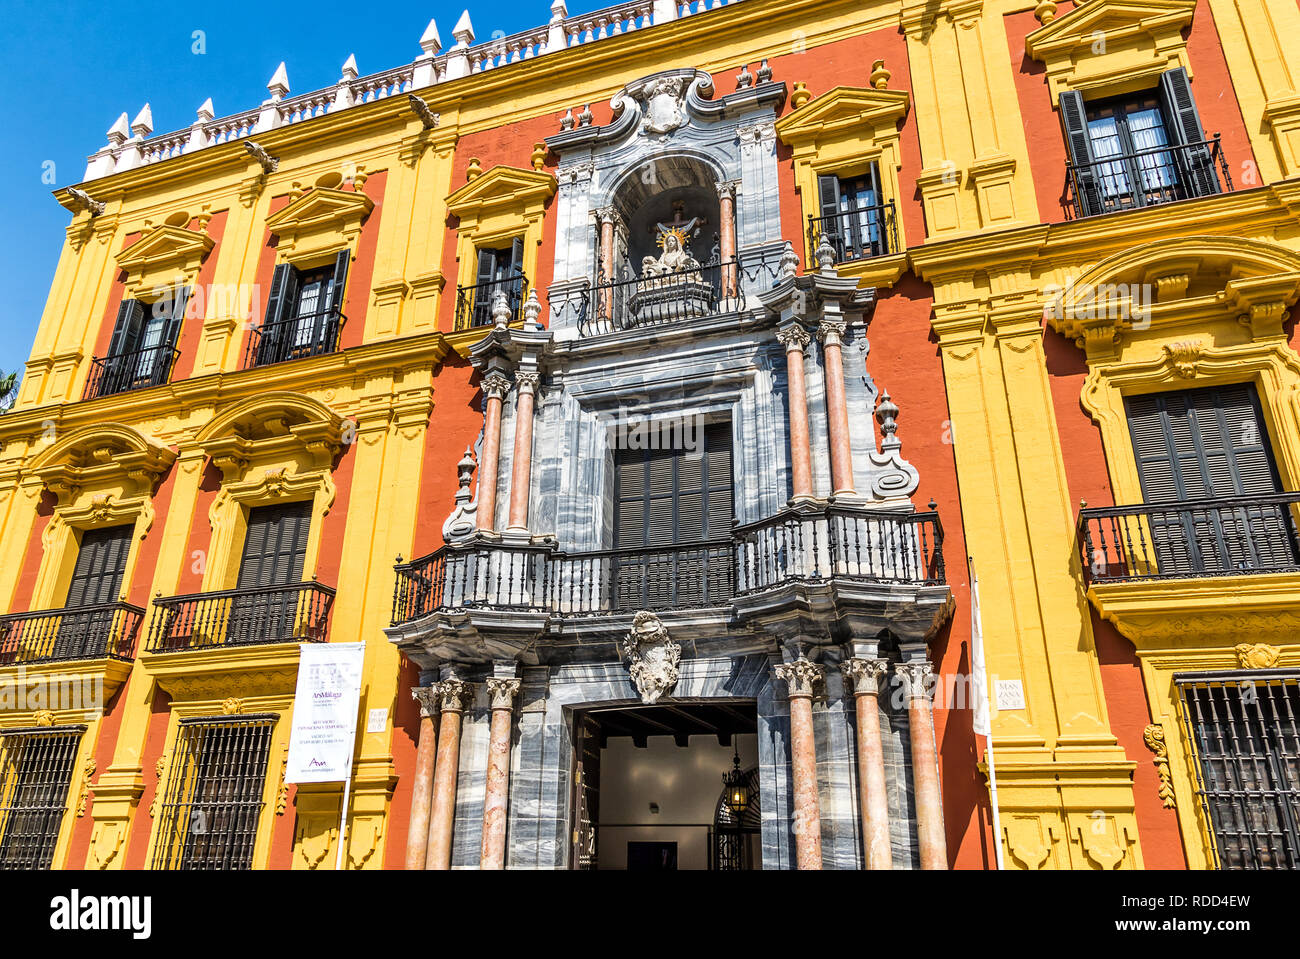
1088,23
840,108
502,187
164,246
321,207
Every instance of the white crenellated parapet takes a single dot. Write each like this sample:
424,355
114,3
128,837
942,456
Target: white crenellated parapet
133,145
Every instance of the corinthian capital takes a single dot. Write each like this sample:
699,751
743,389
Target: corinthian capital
455,695
502,692
831,332
864,674
793,337
427,697
800,676
914,677
495,385
527,382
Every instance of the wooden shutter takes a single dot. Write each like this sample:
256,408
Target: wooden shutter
126,331
1209,444
275,546
280,306
516,275
101,563
170,335
1183,126
481,297
1074,123
487,267
672,496
339,283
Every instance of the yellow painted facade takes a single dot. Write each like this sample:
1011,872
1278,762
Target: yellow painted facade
948,125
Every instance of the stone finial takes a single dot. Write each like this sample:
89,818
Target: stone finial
652,657
119,131
1045,12
461,523
430,42
204,113
500,310
532,311
799,95
566,121
463,31
539,155
474,170
279,84
349,69
825,255
764,72
559,10
879,75
142,125
886,415
789,262
585,117
744,79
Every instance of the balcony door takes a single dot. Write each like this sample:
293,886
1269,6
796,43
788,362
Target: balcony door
499,270
96,583
673,521
265,605
1206,452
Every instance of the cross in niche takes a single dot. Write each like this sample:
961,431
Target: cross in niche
683,226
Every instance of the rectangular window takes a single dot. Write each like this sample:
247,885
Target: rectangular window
96,584
266,606
1140,149
213,801
304,313
1246,748
498,270
673,513
1207,452
854,217
143,346
35,772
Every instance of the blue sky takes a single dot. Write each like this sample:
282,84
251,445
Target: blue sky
73,67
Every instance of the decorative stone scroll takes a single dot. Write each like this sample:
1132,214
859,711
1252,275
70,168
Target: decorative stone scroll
653,657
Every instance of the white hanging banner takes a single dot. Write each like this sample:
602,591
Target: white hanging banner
325,713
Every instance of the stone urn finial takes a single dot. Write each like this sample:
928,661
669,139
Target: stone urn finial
879,75
1045,12
799,95
789,260
532,311
474,170
825,255
500,310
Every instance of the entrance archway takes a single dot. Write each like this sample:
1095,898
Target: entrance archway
647,782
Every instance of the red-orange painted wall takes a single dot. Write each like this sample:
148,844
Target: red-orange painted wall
192,327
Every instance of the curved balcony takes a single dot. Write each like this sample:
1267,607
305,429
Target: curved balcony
795,546
257,616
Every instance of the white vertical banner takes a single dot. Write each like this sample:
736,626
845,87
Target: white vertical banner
325,711
980,723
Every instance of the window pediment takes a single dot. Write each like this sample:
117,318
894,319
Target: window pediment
1108,45
270,430
101,458
503,189
320,221
165,256
844,111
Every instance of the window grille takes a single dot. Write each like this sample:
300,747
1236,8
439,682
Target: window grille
35,773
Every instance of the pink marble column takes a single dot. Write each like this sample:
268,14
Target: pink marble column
455,696
831,333
522,465
800,676
794,338
727,236
606,219
493,852
863,677
925,766
495,386
417,835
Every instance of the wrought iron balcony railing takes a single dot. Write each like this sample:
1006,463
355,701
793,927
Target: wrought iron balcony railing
1146,178
314,334
1239,536
76,632
793,546
474,303
856,234
241,617
151,366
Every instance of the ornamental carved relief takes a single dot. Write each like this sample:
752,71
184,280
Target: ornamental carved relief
1257,655
1154,737
652,657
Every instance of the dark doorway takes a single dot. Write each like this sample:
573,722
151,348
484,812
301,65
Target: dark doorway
647,780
